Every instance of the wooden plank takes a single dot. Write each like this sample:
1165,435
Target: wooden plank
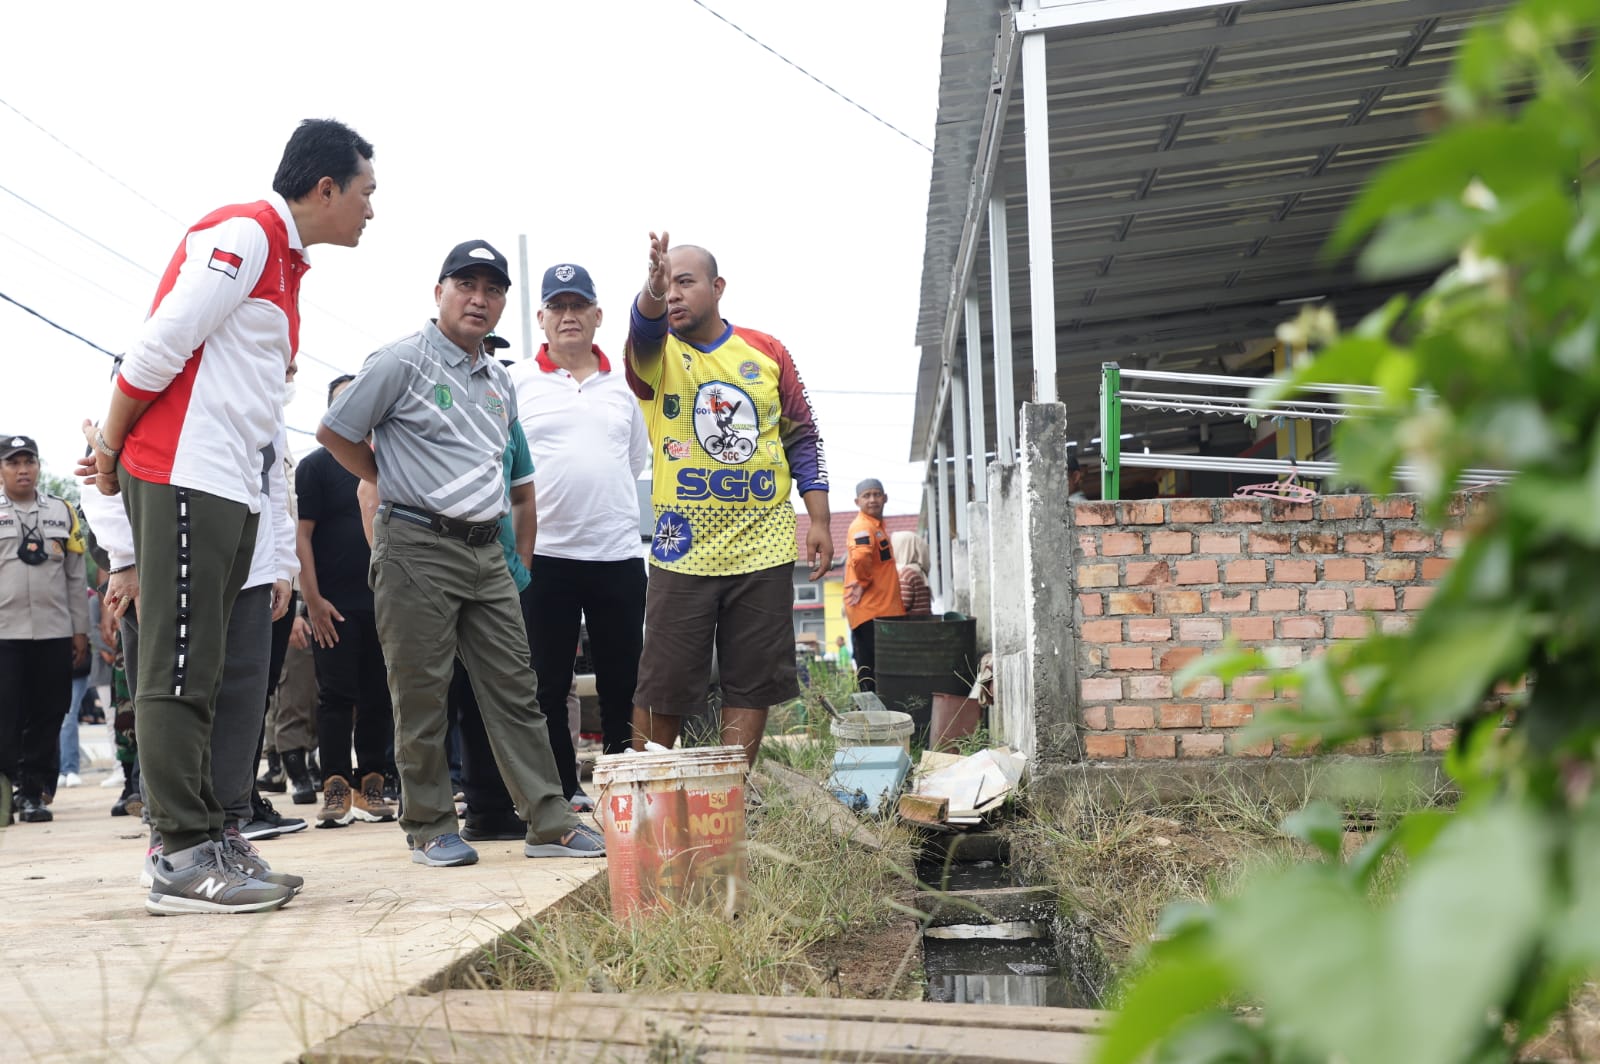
487,1026
987,905
921,809
815,799
465,1005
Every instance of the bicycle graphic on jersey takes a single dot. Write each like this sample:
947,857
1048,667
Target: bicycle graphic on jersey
725,422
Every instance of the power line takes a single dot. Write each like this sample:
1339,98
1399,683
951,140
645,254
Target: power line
103,351
143,198
64,268
80,232
69,226
10,107
864,110
56,325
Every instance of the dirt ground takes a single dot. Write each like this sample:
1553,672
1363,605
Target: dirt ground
1583,1020
885,963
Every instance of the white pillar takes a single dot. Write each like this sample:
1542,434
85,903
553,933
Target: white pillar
946,568
1005,401
980,435
958,426
930,502
1041,259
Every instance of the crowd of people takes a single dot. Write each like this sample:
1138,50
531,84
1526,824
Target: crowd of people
426,575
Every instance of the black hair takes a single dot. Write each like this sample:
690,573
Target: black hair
333,385
319,148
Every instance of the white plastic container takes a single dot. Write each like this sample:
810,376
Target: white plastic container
872,727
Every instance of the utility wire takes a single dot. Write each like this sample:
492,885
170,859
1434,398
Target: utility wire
864,110
103,351
8,106
80,232
64,268
145,199
69,226
56,325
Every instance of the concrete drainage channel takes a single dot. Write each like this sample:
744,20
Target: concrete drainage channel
992,940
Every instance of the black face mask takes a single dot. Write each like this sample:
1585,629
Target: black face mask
31,549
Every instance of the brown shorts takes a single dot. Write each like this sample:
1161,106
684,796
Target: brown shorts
749,617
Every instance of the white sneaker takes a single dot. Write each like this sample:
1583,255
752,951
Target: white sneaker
69,779
113,780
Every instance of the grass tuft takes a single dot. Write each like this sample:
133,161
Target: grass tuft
807,889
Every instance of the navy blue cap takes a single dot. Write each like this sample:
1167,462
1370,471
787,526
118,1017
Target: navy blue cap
472,253
566,277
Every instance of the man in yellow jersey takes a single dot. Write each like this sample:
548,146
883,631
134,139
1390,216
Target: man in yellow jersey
732,429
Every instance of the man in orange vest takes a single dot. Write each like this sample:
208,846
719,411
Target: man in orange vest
871,582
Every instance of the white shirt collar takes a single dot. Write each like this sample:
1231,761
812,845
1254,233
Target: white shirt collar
281,205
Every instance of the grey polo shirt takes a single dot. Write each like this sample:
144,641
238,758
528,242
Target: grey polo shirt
439,425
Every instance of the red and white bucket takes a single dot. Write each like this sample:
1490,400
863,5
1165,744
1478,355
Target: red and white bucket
674,827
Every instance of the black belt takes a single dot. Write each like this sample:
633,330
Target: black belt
478,534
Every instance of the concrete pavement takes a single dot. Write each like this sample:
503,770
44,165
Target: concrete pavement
87,975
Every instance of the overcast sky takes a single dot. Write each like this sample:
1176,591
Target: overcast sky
584,125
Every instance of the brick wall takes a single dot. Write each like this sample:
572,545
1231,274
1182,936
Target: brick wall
1161,582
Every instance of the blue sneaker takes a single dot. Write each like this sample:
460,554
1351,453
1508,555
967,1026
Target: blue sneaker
581,841
444,851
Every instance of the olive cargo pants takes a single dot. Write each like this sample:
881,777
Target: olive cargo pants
437,597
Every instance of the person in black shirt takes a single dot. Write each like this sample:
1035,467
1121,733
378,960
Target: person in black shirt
352,681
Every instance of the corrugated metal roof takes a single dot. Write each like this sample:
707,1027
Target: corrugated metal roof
1199,158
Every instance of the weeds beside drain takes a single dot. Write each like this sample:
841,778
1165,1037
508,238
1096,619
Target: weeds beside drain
808,890
1118,860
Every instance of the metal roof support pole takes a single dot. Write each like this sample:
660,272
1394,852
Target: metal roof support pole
1005,400
931,506
946,564
1110,431
1041,254
958,427
980,442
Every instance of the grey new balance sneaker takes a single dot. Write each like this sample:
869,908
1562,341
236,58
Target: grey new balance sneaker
247,859
209,883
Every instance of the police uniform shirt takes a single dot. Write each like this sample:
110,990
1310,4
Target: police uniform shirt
48,600
439,423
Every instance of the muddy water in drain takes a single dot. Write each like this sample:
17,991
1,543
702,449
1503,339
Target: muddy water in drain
1003,964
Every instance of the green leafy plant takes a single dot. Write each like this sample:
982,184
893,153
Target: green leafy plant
1476,944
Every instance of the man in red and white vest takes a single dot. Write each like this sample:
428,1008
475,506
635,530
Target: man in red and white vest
197,403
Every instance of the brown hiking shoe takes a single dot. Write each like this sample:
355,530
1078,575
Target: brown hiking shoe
337,803
368,803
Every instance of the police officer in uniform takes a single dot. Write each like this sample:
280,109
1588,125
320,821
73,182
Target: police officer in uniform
44,626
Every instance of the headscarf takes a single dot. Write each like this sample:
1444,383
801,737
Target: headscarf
910,551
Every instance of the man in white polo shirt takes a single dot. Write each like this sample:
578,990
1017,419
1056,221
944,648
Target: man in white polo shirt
589,446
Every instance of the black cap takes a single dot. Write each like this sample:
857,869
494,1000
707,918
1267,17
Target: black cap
463,257
566,277
10,445
495,343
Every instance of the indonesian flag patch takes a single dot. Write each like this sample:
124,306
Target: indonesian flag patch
225,262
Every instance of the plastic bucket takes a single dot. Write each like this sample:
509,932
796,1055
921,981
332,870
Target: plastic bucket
872,727
674,827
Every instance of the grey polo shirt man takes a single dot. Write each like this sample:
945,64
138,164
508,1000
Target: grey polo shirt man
439,421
